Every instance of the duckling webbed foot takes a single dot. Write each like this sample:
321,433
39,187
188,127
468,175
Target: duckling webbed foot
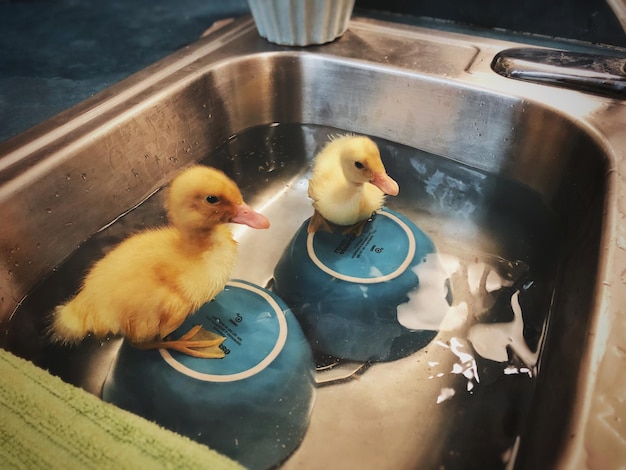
319,224
197,342
355,229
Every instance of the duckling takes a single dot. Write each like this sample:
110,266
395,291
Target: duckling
147,286
348,184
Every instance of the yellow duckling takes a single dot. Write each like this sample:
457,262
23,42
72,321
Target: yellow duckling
349,183
147,286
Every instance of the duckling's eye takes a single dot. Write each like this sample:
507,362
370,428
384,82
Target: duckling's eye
359,165
212,199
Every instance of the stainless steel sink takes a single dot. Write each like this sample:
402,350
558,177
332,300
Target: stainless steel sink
517,183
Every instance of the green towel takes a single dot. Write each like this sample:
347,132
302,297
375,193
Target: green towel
47,423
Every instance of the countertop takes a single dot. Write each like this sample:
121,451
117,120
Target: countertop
56,53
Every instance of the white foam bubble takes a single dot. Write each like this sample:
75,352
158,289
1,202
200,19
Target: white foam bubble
492,340
427,305
495,282
445,394
455,318
474,276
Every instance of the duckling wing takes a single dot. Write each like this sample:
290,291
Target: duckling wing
144,288
127,292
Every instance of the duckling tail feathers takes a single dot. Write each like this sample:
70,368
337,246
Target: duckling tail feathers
66,327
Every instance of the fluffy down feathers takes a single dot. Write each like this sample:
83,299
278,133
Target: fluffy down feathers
349,181
146,287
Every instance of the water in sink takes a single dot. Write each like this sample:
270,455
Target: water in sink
462,398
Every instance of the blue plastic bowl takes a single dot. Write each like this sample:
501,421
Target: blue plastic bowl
253,405
345,290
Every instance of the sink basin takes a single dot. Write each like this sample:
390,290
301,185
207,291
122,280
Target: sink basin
518,184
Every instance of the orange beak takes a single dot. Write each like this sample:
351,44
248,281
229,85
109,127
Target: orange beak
247,216
385,183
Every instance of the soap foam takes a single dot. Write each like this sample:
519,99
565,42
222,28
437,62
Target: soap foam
474,276
495,282
492,340
446,394
428,305
466,366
